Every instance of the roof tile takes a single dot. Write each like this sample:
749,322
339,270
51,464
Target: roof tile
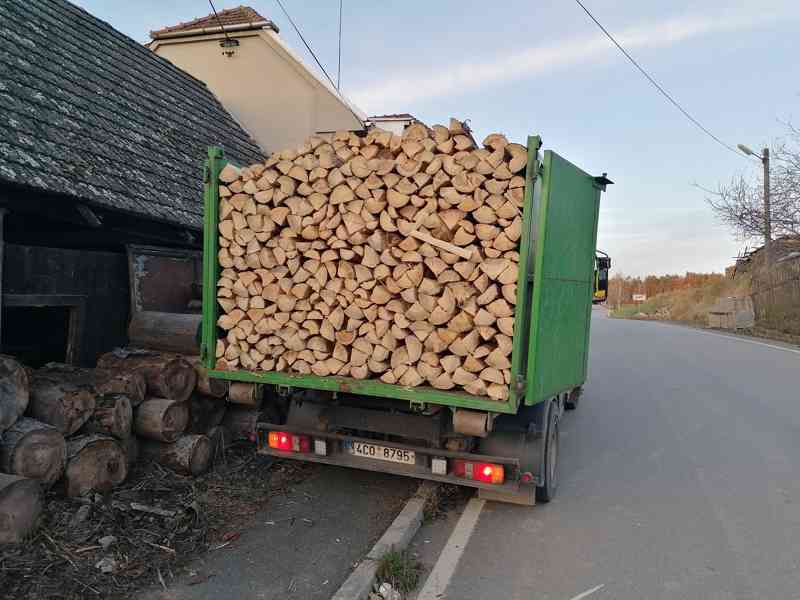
96,116
241,15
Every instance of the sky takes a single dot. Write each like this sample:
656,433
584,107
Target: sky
522,67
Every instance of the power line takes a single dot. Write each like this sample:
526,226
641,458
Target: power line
319,64
221,26
658,86
339,68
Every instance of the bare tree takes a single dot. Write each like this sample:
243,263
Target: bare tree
739,204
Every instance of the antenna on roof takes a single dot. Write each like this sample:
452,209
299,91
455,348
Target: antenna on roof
228,44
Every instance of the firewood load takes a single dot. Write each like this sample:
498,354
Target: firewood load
383,257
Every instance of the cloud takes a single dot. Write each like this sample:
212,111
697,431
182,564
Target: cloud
431,81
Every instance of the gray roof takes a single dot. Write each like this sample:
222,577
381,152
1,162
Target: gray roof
88,112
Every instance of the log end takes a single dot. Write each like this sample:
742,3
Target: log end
21,501
95,463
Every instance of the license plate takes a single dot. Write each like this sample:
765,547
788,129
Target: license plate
405,457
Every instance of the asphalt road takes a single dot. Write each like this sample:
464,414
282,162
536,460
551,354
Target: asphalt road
680,478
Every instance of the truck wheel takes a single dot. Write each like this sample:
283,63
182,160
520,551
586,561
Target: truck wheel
547,491
572,398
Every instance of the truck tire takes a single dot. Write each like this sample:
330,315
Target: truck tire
572,398
547,490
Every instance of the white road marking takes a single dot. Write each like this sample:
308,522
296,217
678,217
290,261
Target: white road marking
588,593
445,567
747,341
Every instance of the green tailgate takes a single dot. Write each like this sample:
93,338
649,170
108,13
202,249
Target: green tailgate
566,205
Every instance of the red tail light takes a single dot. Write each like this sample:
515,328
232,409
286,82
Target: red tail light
484,472
281,440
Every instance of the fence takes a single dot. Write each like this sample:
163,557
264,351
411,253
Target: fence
776,295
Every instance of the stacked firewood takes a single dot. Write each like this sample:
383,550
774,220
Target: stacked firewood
81,430
382,256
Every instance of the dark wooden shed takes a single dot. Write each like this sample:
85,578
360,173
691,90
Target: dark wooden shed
101,146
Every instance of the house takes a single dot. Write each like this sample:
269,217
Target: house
241,57
102,145
396,123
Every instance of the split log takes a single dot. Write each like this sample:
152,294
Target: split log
161,419
14,391
33,449
167,375
113,415
205,413
62,404
246,394
100,381
241,422
21,503
190,454
95,463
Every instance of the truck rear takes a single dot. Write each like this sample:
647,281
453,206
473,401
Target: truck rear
483,405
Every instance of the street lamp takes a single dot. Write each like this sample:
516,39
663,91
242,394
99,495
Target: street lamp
767,213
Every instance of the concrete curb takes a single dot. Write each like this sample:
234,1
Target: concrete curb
397,537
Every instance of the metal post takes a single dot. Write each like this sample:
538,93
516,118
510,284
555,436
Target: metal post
767,210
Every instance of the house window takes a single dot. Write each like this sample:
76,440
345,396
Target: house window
42,328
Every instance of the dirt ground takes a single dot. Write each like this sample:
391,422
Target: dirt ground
139,534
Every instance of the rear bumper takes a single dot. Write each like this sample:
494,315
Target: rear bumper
337,455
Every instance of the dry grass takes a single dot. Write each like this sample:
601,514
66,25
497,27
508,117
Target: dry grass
59,560
688,306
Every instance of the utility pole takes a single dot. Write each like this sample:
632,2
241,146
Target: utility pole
767,209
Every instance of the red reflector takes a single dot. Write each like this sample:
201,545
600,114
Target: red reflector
280,440
485,472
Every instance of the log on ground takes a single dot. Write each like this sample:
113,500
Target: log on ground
161,419
101,381
33,449
20,506
95,463
190,454
205,412
210,386
167,375
14,391
130,446
241,421
113,415
220,439
61,403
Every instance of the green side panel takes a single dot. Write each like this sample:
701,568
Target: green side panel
522,309
214,164
567,207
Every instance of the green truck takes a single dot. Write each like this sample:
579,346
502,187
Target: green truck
509,449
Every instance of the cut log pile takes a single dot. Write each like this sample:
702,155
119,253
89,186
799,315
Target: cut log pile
383,256
81,430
